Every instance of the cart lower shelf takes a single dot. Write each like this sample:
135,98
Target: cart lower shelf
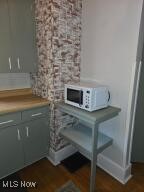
81,137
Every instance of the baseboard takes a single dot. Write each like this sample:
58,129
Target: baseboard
112,168
119,173
56,157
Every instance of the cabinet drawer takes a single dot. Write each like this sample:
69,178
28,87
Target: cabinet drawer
35,113
9,119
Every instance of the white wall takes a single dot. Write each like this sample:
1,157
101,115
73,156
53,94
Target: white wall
109,46
14,81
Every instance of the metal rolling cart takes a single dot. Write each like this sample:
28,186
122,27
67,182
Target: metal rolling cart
85,135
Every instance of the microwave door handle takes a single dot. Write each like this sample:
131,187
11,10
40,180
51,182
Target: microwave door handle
81,98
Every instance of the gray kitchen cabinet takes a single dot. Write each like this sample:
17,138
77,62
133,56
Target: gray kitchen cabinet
24,138
5,43
23,34
17,33
11,150
35,141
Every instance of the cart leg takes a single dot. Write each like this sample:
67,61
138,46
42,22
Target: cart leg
93,158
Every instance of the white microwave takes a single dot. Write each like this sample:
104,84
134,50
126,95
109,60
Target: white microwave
87,96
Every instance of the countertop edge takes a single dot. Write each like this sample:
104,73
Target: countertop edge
4,112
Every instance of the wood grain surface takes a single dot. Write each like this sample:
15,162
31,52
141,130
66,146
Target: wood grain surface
49,178
21,99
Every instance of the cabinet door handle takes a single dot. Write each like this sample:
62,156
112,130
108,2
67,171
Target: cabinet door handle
18,135
18,63
27,131
36,114
10,65
6,122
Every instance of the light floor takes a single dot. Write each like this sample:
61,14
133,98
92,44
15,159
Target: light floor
49,178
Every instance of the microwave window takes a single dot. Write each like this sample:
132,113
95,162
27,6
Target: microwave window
75,96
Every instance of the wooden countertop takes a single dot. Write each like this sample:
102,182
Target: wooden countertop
18,100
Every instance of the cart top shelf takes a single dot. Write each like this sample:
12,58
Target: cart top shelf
93,118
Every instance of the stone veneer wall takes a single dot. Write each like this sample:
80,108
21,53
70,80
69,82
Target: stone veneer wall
58,26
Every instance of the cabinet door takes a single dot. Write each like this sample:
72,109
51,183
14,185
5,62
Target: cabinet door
23,34
11,151
36,139
5,56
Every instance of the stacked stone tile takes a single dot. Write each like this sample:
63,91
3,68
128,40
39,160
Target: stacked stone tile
58,26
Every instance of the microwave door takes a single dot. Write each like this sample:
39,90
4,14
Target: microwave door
75,96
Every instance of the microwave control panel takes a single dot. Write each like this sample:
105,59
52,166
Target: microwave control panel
87,99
